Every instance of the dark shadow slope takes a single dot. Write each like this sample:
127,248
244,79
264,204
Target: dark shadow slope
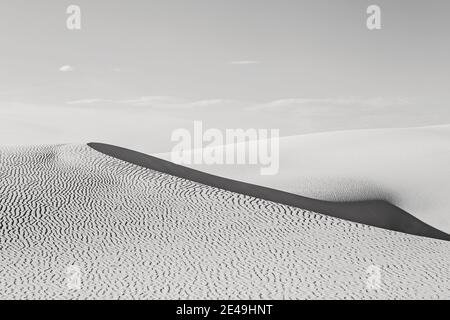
375,213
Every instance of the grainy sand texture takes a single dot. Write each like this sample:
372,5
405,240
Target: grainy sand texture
137,233
407,167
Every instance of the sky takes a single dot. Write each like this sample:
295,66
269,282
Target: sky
137,70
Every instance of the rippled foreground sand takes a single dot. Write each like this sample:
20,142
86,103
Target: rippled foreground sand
136,233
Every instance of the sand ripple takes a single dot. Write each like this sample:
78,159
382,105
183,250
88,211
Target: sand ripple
137,233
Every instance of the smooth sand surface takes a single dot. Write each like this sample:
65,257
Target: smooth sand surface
138,233
408,168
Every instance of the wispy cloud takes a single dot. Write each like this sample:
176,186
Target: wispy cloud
244,62
309,105
66,68
151,101
360,103
158,102
89,101
140,101
141,115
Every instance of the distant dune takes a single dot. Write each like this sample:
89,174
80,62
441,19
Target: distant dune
408,168
138,233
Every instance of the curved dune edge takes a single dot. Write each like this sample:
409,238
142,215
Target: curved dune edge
377,213
407,167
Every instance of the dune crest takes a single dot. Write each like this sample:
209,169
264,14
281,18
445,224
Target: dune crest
405,167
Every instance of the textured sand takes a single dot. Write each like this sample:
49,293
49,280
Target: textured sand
406,167
137,233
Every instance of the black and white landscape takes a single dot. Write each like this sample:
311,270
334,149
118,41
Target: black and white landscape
212,149
136,233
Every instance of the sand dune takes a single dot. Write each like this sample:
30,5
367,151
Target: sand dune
139,233
376,213
408,168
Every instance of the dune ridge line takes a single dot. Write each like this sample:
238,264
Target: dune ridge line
376,213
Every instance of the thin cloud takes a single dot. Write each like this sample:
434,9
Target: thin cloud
151,101
167,102
140,101
66,68
308,106
89,101
244,62
159,102
300,103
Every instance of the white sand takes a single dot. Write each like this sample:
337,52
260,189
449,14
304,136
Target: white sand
408,167
136,233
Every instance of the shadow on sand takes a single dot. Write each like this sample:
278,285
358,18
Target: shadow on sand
375,213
